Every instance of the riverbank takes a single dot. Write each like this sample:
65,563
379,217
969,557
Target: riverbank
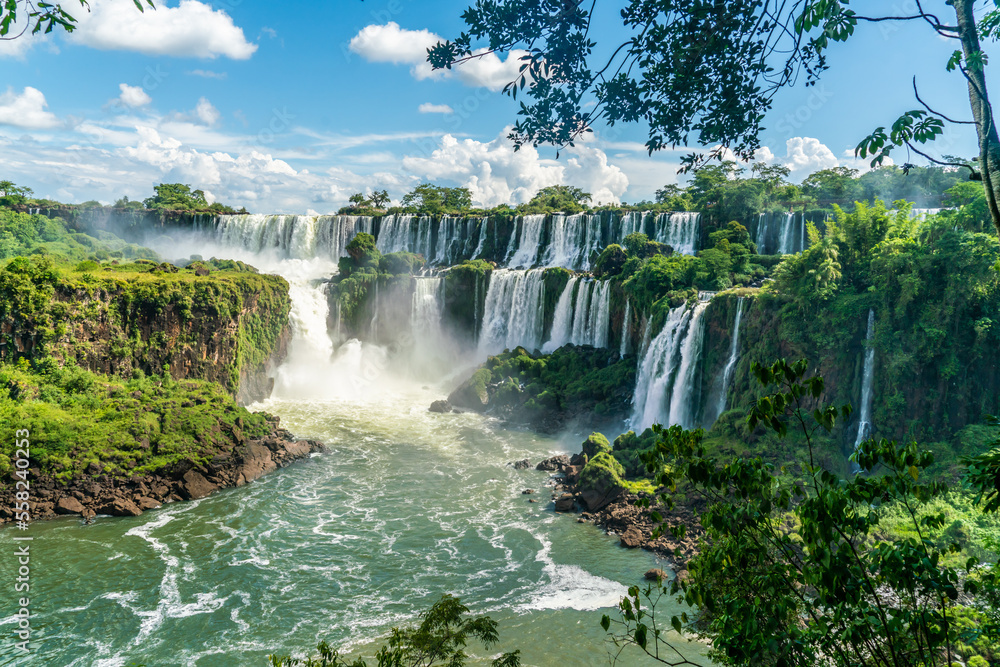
621,513
97,493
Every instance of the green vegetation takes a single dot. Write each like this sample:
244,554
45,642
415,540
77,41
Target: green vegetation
440,639
800,566
548,390
124,428
22,234
180,197
557,198
103,315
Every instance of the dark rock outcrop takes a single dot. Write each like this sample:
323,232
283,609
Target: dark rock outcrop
440,407
95,493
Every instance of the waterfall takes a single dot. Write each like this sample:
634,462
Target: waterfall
291,236
530,242
679,230
626,329
600,310
573,238
394,233
562,319
630,223
734,351
762,230
865,416
512,314
665,391
482,239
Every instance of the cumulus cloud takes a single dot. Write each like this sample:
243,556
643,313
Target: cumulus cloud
806,155
133,96
435,108
192,30
26,110
206,113
390,43
495,173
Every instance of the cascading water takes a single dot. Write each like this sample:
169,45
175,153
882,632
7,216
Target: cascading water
665,390
867,381
573,238
582,315
530,242
291,236
562,319
730,368
679,230
394,233
512,314
626,329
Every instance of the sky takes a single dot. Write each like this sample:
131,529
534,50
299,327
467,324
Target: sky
293,107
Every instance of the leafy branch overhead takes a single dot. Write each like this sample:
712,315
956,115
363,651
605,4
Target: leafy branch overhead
43,17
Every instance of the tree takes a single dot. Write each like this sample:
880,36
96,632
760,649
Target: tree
428,199
557,198
357,200
707,72
379,199
838,183
674,197
440,639
793,571
13,195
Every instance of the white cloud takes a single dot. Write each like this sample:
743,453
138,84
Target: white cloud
495,173
133,96
208,74
191,30
206,113
26,110
489,71
806,155
390,43
427,107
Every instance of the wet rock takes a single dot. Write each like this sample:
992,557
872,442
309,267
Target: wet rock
656,574
523,464
440,407
632,538
256,461
69,505
145,503
554,464
119,507
88,514
194,485
564,503
527,491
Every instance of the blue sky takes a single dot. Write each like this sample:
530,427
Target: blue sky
295,109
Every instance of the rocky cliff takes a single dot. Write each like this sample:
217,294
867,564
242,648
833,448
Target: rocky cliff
229,327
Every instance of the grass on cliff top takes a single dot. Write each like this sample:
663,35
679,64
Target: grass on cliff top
127,427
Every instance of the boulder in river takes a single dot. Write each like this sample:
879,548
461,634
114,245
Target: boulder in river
68,505
564,503
440,407
523,464
656,574
632,538
474,393
554,464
